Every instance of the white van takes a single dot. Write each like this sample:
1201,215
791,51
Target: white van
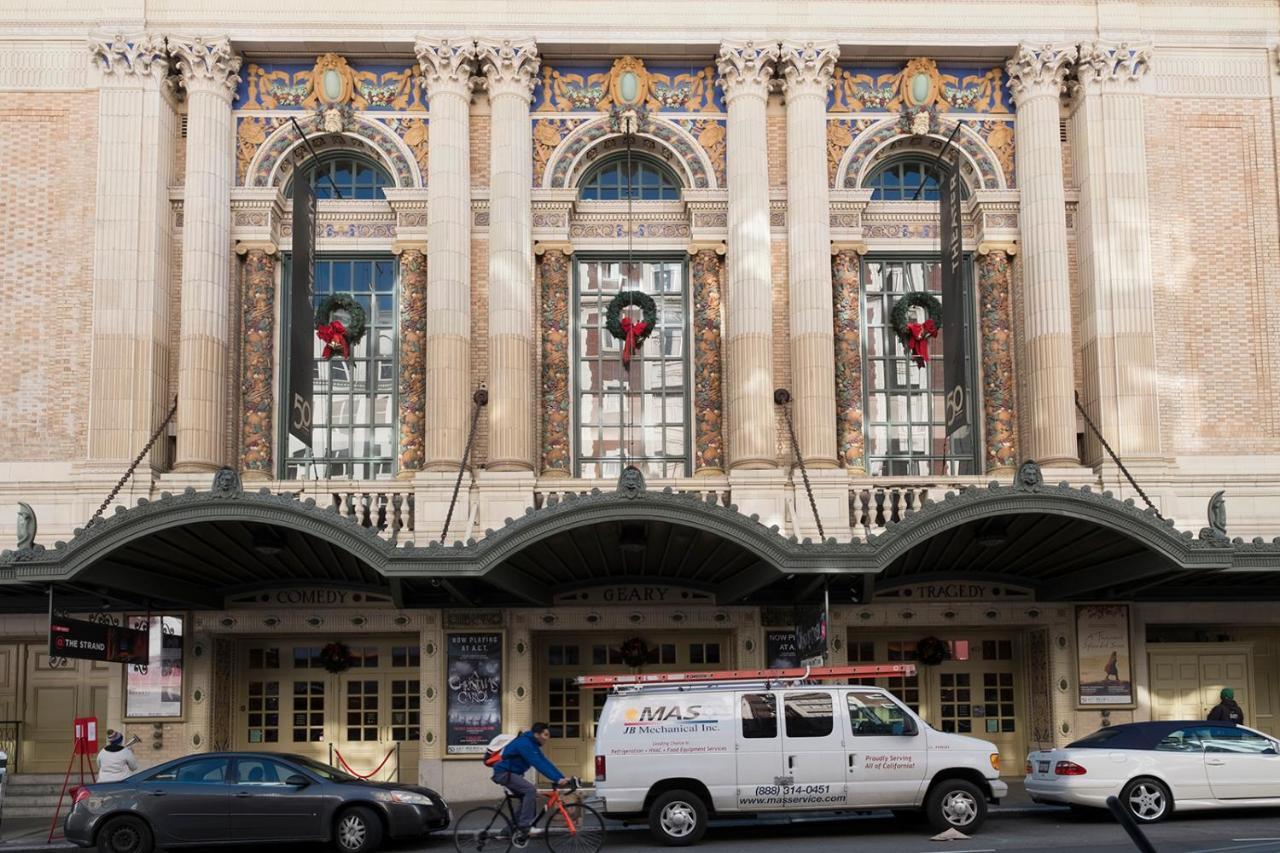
679,754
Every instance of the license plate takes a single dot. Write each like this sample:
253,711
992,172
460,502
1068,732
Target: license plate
1042,766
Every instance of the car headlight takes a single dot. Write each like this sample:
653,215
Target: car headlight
408,798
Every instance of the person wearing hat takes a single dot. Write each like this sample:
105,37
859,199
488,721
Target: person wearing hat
1227,711
116,761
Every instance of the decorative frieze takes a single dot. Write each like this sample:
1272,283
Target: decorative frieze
257,359
846,265
553,277
705,270
413,359
807,66
447,65
995,321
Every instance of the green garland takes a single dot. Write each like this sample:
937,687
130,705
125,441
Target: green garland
613,314
359,319
900,316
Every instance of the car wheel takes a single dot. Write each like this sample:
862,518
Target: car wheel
956,804
678,818
1148,800
125,835
357,830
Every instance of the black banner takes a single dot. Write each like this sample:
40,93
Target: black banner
955,337
811,633
301,312
474,702
780,649
102,641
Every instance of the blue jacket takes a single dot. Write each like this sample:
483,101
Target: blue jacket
525,752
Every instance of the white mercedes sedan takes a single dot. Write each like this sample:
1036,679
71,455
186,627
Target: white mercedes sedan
1161,767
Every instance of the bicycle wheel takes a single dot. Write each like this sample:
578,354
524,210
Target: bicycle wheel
577,829
482,830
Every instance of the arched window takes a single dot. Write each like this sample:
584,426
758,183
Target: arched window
354,177
900,178
650,181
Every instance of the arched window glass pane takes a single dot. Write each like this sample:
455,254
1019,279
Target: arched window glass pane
649,181
354,178
898,180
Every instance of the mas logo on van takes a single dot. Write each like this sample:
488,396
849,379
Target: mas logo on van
666,718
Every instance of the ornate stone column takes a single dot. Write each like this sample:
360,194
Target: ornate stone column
553,276
131,234
807,68
257,360
1114,238
1036,75
208,73
995,317
746,69
511,68
447,66
846,266
705,270
413,357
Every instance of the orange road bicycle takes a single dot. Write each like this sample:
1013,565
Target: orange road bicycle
567,826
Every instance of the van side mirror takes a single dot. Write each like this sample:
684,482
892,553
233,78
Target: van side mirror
297,780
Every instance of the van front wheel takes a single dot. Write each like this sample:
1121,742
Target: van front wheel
678,818
956,804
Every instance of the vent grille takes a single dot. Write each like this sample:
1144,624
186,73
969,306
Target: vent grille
1062,130
182,126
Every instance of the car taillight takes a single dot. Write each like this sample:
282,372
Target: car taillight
1028,767
79,794
1068,768
599,768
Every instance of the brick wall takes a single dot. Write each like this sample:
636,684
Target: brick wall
48,145
479,340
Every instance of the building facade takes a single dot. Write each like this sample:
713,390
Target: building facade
754,196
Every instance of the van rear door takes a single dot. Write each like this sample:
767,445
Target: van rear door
758,744
813,748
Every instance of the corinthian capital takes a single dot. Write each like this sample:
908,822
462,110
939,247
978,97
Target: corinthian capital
207,64
510,66
746,67
1039,69
119,57
1105,63
807,66
447,64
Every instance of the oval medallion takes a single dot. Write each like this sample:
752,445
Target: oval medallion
920,86
629,86
332,85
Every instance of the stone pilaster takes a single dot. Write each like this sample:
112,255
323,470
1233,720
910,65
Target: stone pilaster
447,66
1036,75
995,317
846,266
706,270
510,68
209,74
136,128
746,70
413,358
553,276
807,68
257,360
1114,238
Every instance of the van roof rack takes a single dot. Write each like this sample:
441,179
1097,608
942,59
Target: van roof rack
738,677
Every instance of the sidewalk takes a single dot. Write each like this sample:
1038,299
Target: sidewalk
30,833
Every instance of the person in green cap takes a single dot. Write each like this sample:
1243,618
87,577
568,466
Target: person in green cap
1227,711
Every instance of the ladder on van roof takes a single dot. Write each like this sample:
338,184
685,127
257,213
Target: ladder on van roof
797,675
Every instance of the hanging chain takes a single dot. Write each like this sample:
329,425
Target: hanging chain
481,399
782,397
146,448
1114,458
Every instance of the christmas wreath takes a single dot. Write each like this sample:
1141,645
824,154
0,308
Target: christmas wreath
336,335
635,652
931,651
626,328
915,336
335,657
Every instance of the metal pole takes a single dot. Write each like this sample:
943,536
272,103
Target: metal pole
146,448
314,157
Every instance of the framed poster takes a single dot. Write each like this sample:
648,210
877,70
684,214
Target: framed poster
780,649
473,684
153,690
1104,665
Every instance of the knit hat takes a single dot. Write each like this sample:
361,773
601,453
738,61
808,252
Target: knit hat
1228,693
115,738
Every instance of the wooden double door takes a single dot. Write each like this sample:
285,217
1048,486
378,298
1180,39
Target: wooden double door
56,691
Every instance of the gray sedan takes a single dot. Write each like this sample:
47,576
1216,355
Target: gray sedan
249,797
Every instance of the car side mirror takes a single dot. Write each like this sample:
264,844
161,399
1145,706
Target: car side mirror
297,780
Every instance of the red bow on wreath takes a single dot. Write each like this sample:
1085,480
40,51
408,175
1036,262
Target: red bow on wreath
334,336
918,343
634,329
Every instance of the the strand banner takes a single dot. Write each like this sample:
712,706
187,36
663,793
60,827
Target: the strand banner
100,641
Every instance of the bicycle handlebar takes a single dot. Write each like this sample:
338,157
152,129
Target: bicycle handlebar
570,783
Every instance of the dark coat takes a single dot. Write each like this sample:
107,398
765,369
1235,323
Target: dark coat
1227,711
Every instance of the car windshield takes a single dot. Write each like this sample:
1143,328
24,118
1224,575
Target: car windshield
324,771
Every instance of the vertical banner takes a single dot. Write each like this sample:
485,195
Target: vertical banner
301,312
154,690
955,317
474,702
811,635
1105,674
780,649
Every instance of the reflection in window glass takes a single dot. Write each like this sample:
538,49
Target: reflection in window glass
649,181
872,714
347,178
900,180
759,715
905,422
653,395
809,714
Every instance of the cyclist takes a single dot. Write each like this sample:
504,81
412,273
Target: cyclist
517,757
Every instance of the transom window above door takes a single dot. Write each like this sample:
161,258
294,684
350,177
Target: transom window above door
650,181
